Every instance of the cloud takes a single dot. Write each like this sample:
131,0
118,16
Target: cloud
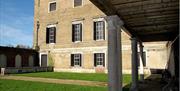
16,23
14,36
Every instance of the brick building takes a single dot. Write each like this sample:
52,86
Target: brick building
72,36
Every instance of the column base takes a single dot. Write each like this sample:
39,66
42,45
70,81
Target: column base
142,77
133,88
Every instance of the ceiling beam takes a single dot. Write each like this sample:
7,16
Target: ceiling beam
152,18
163,22
154,27
148,8
158,37
147,3
156,18
151,14
125,1
157,31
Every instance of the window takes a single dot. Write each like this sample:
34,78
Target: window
76,32
77,3
99,59
52,6
75,59
99,30
51,35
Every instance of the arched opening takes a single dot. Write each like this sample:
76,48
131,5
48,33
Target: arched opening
18,61
31,61
3,61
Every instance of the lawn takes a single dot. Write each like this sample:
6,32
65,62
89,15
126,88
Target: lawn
102,77
16,85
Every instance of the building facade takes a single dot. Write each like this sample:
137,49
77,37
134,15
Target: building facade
72,37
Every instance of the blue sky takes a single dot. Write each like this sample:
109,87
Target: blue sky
16,22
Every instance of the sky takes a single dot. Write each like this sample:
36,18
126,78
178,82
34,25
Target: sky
16,22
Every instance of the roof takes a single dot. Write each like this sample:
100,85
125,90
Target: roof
149,20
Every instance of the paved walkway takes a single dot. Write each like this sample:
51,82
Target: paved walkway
152,83
57,81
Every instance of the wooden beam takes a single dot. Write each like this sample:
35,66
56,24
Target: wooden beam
150,14
160,10
154,27
157,31
147,15
163,22
152,18
139,21
125,1
144,4
148,8
158,37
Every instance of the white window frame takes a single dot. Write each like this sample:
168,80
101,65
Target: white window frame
105,59
78,66
50,26
78,6
105,29
49,6
78,22
77,59
40,54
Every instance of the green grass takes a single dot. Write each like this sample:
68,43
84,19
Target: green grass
16,85
75,76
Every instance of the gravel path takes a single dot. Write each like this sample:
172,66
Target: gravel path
56,81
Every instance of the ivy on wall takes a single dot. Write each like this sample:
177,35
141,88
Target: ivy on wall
50,60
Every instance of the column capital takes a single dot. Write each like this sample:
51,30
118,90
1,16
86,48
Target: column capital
133,38
141,45
114,22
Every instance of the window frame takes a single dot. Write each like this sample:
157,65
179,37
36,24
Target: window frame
51,26
78,6
104,34
78,55
103,61
81,32
49,6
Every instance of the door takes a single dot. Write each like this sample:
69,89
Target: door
44,60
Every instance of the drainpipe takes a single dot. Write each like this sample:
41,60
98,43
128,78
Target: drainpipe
37,47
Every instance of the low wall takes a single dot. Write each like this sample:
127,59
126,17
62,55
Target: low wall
18,57
12,70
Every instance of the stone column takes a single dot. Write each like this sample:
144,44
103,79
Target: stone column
114,53
141,71
134,85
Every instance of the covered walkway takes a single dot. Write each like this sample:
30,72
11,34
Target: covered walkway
144,21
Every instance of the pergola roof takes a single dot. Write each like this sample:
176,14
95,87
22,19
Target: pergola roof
149,20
